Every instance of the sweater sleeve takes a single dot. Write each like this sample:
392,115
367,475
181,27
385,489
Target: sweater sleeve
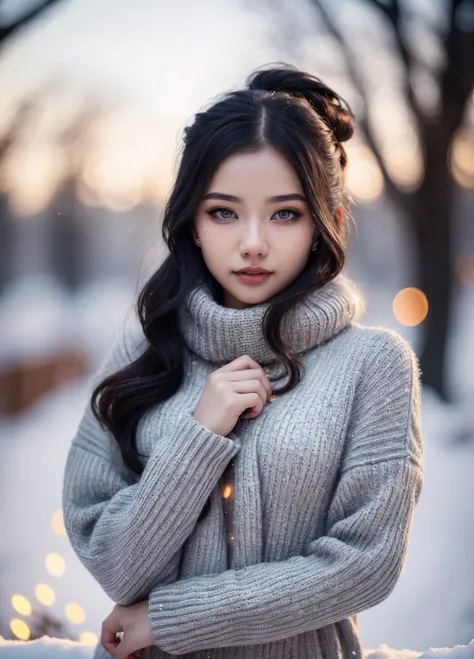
351,568
127,533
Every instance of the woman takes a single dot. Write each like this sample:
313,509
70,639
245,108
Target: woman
244,483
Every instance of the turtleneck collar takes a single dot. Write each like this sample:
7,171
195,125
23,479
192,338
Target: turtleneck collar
220,334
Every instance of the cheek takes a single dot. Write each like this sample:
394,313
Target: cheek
215,242
295,241
209,231
215,248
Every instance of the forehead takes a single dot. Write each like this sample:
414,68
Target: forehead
257,175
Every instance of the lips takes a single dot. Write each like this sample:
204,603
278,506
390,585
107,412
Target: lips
252,279
252,271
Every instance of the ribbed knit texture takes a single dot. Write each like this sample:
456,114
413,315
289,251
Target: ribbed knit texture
326,480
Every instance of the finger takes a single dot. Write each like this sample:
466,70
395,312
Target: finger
124,651
250,386
244,361
127,648
108,637
252,401
236,376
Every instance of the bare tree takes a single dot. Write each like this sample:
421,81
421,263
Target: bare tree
429,209
67,238
6,222
7,234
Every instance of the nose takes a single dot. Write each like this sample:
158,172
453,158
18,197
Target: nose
253,241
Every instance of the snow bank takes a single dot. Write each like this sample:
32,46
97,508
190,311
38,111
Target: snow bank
45,648
38,317
51,648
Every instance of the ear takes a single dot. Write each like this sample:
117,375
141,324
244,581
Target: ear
340,214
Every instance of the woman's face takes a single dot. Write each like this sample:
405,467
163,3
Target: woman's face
240,222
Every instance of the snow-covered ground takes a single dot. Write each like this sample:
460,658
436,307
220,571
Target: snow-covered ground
51,648
431,606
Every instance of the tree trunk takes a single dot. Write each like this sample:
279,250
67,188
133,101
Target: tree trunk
6,243
431,220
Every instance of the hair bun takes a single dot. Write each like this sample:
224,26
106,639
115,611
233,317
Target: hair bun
331,107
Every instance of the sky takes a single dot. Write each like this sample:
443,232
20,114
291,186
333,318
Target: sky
145,51
164,57
155,63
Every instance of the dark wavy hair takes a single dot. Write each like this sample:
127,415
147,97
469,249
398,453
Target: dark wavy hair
306,122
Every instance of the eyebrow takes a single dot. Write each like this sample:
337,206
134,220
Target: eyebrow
283,197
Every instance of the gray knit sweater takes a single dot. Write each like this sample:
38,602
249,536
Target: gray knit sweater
324,484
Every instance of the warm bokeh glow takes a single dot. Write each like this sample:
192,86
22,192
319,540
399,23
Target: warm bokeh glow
20,629
156,188
130,163
109,174
74,613
465,269
404,163
31,174
21,605
55,564
88,638
461,159
363,175
227,491
57,523
122,159
86,195
45,594
410,306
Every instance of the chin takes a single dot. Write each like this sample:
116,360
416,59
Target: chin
252,295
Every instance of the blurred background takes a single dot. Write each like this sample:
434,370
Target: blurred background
94,97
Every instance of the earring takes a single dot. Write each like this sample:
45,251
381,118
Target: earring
314,245
198,243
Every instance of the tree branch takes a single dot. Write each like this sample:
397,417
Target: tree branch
356,76
393,14
457,79
7,30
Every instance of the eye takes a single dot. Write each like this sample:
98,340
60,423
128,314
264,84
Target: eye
222,218
295,215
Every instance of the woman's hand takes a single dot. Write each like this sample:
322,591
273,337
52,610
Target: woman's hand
239,385
133,622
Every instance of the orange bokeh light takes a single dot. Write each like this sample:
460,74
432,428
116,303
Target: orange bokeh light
55,564
57,523
410,306
21,605
88,638
45,594
74,613
20,629
227,491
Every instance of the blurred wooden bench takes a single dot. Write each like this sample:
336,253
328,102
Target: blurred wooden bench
25,382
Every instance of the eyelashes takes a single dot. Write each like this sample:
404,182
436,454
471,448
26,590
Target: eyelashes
213,213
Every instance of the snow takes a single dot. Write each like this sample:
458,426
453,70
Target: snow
38,317
33,318
51,648
45,648
432,604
